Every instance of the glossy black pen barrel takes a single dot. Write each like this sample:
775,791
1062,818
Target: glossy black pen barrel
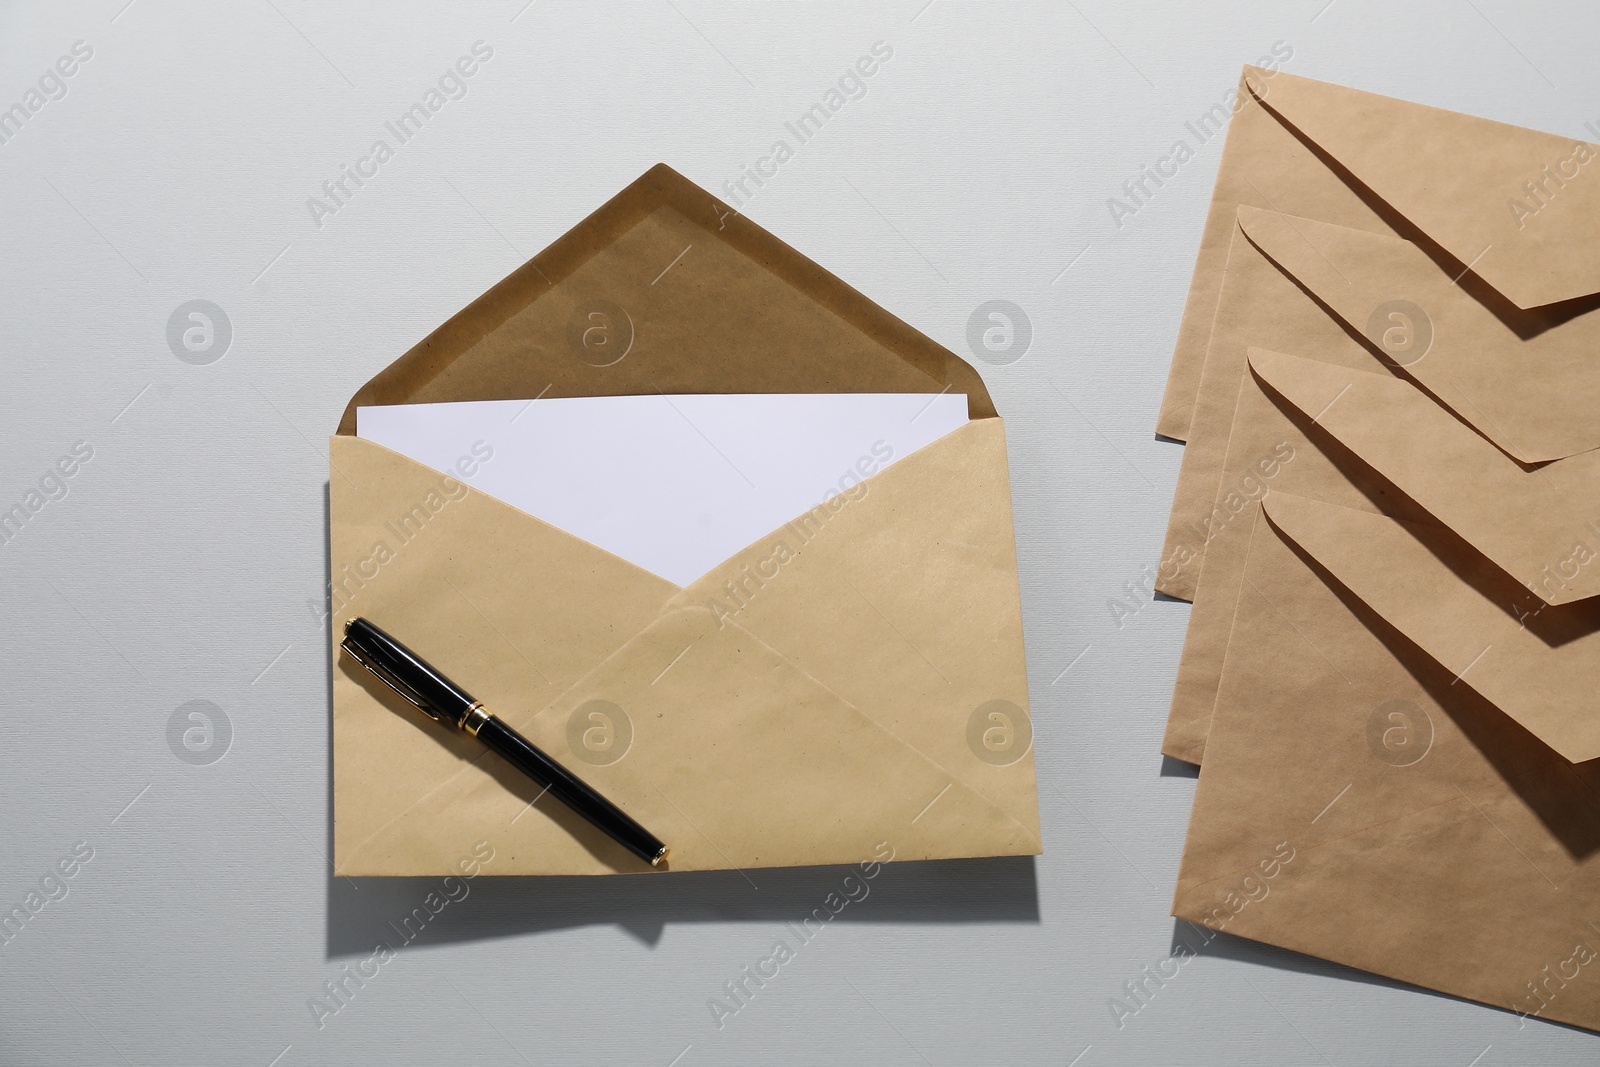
569,789
408,673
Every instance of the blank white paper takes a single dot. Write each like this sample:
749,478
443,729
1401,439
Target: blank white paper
673,484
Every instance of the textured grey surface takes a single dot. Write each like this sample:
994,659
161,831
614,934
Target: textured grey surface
186,558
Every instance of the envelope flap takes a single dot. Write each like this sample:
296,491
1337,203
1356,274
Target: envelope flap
900,595
1528,522
1527,382
1459,610
1515,204
665,289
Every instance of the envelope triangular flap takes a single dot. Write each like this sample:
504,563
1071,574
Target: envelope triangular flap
665,289
1527,522
1460,610
745,759
1458,179
901,596
1534,396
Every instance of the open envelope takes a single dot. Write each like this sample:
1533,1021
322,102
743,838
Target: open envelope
1511,212
854,679
1368,804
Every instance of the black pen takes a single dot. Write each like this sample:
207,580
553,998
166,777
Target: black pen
443,701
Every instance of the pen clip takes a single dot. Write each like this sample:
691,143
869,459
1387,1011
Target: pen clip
388,679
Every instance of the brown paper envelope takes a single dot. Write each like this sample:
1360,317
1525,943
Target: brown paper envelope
1428,837
1528,381
1258,306
1317,466
1258,443
1510,203
1263,165
665,289
1457,180
1538,667
1537,525
822,781
1254,442
1534,524
1536,530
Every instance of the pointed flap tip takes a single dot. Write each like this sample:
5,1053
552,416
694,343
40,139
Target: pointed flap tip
1249,216
1282,238
1289,512
1310,385
1268,363
1330,533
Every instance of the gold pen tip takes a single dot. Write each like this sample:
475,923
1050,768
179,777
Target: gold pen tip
661,857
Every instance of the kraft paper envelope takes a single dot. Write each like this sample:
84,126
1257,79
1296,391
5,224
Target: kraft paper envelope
1377,443
1253,443
1525,380
852,679
1363,803
1462,611
1259,306
1420,463
1512,205
1535,524
1539,526
1528,381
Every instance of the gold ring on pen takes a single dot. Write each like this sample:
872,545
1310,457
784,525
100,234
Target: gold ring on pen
474,719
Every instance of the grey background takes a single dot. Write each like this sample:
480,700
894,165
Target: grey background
186,561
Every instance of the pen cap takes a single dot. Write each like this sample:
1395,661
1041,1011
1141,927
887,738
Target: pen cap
406,672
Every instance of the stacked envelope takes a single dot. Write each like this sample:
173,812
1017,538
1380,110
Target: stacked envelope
1388,520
